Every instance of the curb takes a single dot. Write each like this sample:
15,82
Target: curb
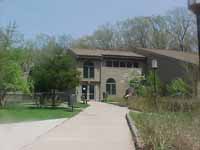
139,144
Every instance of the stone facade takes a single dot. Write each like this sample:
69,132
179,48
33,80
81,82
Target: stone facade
171,65
122,76
102,73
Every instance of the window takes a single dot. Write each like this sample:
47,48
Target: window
129,65
136,65
122,64
115,63
88,70
108,63
111,87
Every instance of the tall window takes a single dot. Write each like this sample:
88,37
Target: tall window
111,87
88,70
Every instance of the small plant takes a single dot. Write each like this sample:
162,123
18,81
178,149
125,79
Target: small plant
178,87
145,87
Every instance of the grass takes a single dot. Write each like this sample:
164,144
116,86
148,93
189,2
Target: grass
24,113
174,125
169,131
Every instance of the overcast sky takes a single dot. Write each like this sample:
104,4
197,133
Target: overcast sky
76,17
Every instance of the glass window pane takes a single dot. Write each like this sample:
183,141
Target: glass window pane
91,72
108,89
136,65
91,88
115,63
122,64
109,64
113,89
129,64
85,72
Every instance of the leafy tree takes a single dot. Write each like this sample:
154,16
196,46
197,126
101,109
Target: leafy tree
11,77
54,70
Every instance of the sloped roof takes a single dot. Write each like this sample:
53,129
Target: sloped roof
100,53
182,56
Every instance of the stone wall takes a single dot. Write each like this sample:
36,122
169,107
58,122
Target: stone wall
122,76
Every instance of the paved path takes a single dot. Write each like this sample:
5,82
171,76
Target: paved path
17,135
99,127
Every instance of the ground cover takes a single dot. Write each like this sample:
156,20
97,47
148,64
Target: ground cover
32,113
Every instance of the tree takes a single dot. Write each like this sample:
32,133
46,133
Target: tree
54,70
179,22
159,37
102,38
10,37
12,58
11,77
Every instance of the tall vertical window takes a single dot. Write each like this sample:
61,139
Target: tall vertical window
111,87
88,70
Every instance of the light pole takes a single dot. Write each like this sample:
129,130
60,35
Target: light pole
194,6
155,67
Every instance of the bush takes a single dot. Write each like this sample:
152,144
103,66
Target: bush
179,88
146,87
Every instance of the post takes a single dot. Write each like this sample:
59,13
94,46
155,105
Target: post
198,31
198,72
155,88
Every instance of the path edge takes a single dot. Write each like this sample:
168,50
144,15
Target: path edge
139,143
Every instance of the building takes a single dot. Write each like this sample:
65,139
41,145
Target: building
173,65
109,71
106,71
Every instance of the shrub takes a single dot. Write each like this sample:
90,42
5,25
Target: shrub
146,87
179,88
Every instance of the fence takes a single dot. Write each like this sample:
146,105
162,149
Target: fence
42,98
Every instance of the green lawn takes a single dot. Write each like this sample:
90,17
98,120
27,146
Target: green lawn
169,131
19,114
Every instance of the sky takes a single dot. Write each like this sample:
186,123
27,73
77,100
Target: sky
76,17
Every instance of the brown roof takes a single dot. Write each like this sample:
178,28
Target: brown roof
183,56
100,53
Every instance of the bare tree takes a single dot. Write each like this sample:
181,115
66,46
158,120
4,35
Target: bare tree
179,22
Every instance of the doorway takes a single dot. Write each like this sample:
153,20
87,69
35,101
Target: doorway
88,91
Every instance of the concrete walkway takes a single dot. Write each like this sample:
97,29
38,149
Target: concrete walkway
99,127
17,135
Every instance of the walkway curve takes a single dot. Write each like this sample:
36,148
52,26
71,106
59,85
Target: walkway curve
99,127
14,136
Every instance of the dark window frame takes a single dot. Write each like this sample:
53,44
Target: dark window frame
122,64
136,65
109,63
111,88
88,70
116,63
129,64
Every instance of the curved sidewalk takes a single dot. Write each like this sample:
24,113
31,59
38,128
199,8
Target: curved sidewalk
99,127
15,136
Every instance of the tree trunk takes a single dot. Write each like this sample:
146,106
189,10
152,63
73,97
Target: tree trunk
54,98
2,99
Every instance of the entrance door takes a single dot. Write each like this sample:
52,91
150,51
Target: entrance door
88,91
84,91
